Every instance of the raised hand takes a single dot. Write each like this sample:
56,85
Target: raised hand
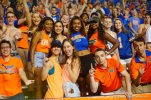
47,62
141,71
91,71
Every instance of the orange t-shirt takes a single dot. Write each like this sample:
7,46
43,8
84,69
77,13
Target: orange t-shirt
1,83
11,82
109,78
44,44
23,43
136,64
98,43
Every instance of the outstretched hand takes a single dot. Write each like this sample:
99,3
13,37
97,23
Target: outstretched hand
3,97
28,82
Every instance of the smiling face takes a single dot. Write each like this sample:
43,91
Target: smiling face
56,50
85,18
65,20
100,57
95,25
36,19
68,48
107,22
48,25
118,24
10,18
76,25
58,28
139,47
5,49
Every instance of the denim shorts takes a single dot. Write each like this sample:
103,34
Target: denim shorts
39,59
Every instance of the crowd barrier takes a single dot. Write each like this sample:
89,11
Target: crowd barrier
145,96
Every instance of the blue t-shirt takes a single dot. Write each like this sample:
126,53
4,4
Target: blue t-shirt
80,42
55,18
135,23
106,10
126,24
125,49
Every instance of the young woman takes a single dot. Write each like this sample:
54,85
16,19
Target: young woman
98,37
28,30
125,47
58,31
52,72
70,69
40,46
107,28
85,18
65,19
80,40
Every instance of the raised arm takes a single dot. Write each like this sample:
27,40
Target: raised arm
80,11
47,6
28,15
93,84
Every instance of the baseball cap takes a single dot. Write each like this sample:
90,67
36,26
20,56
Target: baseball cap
56,43
94,19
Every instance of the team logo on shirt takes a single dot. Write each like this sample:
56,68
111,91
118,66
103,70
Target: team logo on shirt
11,66
78,40
111,70
149,59
103,76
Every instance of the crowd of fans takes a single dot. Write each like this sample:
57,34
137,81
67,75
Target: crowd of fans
74,48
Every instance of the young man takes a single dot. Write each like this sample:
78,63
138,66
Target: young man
140,67
11,33
106,75
12,73
145,29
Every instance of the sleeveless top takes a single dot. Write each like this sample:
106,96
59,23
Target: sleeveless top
54,81
44,44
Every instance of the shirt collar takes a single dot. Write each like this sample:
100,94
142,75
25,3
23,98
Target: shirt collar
148,53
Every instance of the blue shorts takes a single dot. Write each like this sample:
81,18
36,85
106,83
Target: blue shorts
39,59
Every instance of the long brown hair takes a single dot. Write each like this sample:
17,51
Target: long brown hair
123,29
74,55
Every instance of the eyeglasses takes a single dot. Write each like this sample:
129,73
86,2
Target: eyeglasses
7,47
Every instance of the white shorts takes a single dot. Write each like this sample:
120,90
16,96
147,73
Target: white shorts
125,61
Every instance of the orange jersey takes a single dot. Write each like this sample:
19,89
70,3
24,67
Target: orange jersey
136,64
109,78
44,44
23,43
97,44
11,82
